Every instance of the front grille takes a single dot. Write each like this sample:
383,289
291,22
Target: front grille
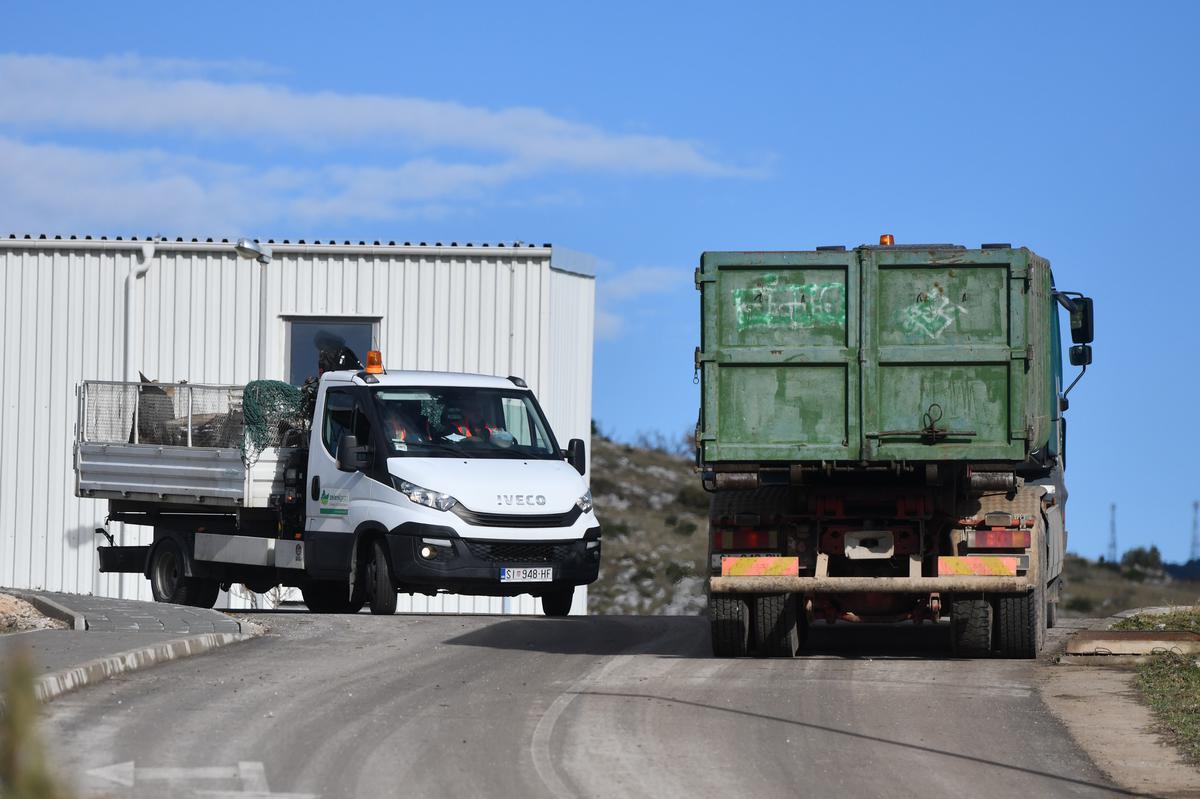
517,519
519,552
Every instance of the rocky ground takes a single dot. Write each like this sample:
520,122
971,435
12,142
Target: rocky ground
17,615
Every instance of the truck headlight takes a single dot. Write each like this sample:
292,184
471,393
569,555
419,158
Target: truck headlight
424,496
584,503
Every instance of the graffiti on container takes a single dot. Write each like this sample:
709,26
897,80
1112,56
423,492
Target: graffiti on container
798,306
931,314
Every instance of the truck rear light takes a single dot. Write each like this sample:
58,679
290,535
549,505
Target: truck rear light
746,539
998,539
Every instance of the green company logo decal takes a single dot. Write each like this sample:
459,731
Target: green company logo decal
334,504
796,306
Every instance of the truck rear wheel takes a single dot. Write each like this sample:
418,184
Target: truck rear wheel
381,591
729,619
1020,623
169,583
775,628
970,628
558,603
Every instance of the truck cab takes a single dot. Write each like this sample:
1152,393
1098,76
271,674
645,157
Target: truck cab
428,481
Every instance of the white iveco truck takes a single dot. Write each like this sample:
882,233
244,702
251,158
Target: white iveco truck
414,482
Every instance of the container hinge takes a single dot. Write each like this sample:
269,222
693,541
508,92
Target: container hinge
1022,353
702,278
1022,435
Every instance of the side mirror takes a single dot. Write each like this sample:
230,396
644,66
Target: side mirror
576,456
350,456
1081,355
1081,322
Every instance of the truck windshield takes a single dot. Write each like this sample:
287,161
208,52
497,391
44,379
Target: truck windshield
462,422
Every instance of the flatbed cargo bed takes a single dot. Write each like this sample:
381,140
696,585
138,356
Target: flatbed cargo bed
171,443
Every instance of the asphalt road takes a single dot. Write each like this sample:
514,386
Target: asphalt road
450,706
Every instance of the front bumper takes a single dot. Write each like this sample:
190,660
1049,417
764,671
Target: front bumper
472,565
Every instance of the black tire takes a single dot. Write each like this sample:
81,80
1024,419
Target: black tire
330,597
381,590
169,583
801,622
774,624
1020,623
203,593
558,603
729,619
1051,614
970,628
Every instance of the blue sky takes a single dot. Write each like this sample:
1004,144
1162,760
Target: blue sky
644,137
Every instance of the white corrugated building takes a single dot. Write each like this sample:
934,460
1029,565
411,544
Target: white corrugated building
197,312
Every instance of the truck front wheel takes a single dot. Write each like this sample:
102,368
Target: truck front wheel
729,618
169,583
381,591
558,603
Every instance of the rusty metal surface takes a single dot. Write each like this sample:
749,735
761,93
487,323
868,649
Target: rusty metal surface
857,585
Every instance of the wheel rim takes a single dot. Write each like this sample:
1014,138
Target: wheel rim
166,573
372,574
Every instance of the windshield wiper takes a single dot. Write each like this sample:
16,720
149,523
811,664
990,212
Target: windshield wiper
438,445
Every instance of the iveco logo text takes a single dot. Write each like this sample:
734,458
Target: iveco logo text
520,499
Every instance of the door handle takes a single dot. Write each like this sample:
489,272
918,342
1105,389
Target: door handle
316,487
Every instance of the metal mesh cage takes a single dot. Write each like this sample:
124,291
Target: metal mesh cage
170,414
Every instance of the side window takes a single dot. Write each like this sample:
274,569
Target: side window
516,420
338,419
519,422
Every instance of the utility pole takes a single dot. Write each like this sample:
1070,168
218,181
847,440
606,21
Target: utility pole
1195,553
1112,533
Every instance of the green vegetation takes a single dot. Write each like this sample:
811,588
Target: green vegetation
1170,682
1179,619
24,773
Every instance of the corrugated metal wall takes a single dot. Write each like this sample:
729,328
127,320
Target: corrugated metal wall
494,310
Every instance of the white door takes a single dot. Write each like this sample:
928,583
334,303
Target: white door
329,488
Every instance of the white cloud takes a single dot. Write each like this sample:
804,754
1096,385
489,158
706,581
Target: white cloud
55,188
643,280
133,96
617,291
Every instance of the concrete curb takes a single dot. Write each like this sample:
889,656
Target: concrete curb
1118,659
54,610
53,685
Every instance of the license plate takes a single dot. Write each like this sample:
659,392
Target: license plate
521,574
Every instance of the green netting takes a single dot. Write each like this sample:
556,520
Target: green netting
275,414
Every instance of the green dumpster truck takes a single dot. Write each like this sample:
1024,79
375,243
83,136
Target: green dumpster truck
882,431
